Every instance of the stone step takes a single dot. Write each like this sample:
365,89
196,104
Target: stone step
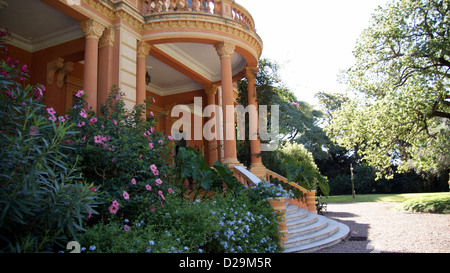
301,221
311,237
296,231
309,232
292,215
335,238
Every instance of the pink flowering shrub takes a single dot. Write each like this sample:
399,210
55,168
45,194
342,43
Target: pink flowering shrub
124,154
44,199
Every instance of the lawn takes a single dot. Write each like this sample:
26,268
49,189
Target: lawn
418,202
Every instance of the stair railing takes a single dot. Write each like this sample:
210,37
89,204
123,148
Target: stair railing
308,198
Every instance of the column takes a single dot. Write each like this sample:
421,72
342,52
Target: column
225,51
211,91
143,49
105,58
92,30
256,166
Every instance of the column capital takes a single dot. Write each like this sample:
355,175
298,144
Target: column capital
251,72
210,89
224,49
92,29
107,38
143,49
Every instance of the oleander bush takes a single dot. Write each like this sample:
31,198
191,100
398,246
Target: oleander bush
44,197
123,154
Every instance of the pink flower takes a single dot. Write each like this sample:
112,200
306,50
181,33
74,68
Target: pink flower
61,119
151,113
155,173
170,137
148,187
158,181
51,111
81,124
83,113
80,93
162,195
114,207
133,181
93,120
126,228
52,118
117,97
161,141
170,190
125,195
150,145
24,68
153,167
34,130
115,122
153,99
140,156
98,139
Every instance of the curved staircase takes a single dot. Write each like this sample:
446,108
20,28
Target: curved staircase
308,231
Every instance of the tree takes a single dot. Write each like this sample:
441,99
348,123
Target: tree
400,107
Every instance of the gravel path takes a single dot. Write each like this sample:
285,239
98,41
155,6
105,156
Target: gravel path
377,227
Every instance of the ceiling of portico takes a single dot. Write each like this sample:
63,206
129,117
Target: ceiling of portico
192,58
35,25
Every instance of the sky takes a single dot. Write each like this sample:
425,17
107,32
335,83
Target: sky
311,40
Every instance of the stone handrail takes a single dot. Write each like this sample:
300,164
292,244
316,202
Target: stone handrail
245,177
213,7
308,200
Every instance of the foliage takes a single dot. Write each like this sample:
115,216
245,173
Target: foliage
123,153
400,110
44,199
300,167
231,224
430,204
192,167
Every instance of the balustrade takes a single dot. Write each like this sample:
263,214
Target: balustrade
238,13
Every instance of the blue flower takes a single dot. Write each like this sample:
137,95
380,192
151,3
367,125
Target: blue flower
151,243
92,248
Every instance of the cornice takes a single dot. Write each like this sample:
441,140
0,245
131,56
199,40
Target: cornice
167,20
200,22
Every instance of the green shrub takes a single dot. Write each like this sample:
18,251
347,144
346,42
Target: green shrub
230,224
431,204
44,199
123,154
299,167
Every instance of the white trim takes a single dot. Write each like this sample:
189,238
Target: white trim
46,41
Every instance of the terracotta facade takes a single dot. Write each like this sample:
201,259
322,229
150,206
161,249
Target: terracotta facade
124,42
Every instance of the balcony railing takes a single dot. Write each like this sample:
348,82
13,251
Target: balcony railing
213,7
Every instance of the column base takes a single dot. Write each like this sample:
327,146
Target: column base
230,162
259,170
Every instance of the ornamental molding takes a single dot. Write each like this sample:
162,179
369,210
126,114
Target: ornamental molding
92,29
121,10
52,67
211,89
66,69
251,72
107,38
202,23
224,49
143,49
